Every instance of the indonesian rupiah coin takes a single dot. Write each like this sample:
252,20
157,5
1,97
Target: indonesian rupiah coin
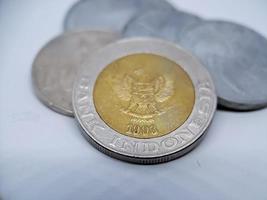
58,62
160,24
236,57
110,15
144,100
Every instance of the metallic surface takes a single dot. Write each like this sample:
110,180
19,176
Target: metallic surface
110,15
160,24
56,66
143,91
236,57
43,156
146,151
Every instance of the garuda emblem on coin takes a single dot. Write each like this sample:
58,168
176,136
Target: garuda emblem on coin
144,94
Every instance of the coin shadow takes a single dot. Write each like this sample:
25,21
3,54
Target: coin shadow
224,108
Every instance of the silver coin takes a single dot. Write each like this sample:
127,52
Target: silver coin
236,57
160,24
110,15
56,66
138,150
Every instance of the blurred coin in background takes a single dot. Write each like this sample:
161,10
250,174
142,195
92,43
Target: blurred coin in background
236,57
144,100
160,24
110,15
56,65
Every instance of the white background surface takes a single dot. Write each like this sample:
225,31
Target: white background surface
44,156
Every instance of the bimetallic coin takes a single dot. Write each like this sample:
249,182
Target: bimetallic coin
110,15
143,100
160,24
236,57
56,66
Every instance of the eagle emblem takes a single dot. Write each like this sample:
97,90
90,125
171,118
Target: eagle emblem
144,94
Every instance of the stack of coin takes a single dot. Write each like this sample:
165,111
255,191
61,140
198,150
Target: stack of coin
125,70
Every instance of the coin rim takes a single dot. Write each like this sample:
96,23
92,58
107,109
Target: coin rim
223,101
66,27
128,31
159,47
142,160
43,98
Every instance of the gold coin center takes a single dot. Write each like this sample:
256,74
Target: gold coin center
143,95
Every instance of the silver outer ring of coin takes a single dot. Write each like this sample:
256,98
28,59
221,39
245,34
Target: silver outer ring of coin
156,150
45,99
